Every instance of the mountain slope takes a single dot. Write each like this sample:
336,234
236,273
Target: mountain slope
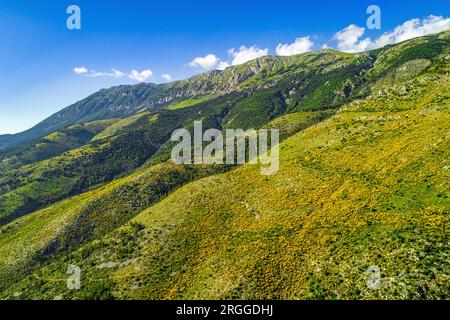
359,189
52,145
69,223
267,71
30,187
245,96
363,182
123,101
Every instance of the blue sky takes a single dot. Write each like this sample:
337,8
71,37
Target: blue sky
38,53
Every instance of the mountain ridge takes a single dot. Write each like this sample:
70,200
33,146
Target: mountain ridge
109,103
363,182
245,96
278,237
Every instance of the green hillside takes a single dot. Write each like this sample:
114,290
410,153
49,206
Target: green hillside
363,181
130,142
51,145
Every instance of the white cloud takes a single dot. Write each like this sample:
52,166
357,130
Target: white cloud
113,73
300,45
325,46
223,65
207,62
166,77
414,28
117,73
348,39
245,54
80,70
94,74
140,76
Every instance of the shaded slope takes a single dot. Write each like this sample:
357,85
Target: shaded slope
31,187
52,145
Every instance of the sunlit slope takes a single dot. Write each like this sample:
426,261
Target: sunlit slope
68,162
364,188
52,145
31,240
367,187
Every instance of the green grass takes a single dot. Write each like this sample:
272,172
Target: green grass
190,102
115,127
363,180
361,188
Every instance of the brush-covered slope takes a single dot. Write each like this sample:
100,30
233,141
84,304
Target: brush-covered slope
368,186
51,145
363,181
31,240
245,96
120,148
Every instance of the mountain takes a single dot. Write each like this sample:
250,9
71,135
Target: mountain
241,97
123,101
363,183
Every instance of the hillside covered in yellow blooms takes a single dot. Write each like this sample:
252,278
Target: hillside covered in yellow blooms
363,184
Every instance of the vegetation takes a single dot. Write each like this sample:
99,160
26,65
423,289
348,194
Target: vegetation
189,102
363,181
